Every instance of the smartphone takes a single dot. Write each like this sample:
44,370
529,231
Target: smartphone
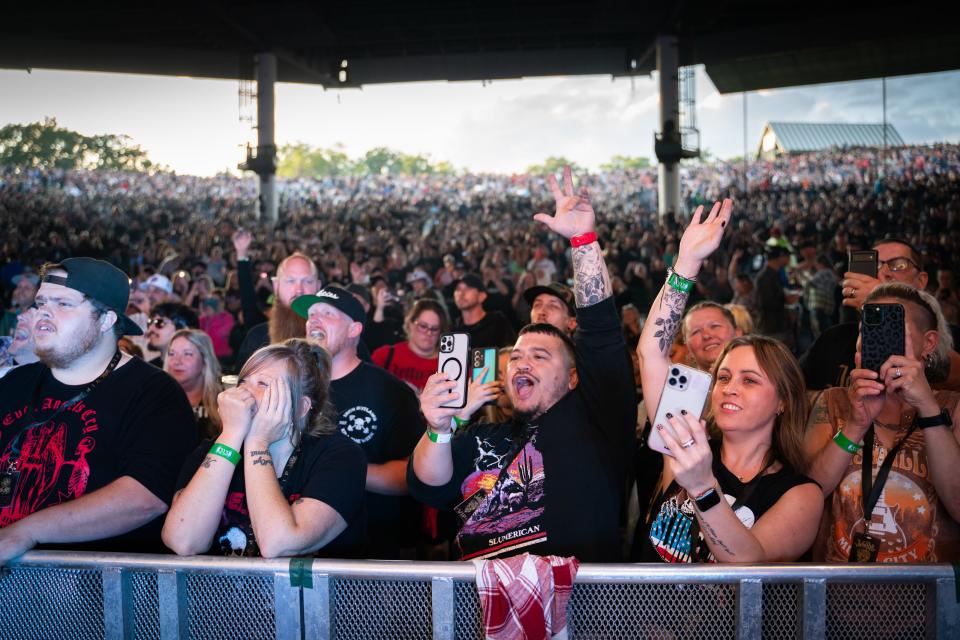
454,360
686,389
864,262
484,359
883,333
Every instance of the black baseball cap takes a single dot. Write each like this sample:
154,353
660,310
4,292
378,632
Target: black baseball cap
334,296
472,280
554,289
100,281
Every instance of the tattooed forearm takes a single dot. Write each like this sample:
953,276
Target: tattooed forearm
591,280
712,537
264,452
672,304
263,460
208,462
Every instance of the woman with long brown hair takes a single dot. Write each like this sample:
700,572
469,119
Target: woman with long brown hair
740,496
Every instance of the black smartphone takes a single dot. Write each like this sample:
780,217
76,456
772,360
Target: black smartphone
864,262
883,333
454,361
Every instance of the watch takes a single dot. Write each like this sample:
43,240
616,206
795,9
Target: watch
707,500
942,419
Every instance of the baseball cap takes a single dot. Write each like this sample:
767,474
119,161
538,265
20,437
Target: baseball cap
775,251
472,280
417,274
101,281
555,289
334,296
360,290
159,281
29,275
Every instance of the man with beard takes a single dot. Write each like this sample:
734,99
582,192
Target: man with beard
92,440
552,480
376,410
297,275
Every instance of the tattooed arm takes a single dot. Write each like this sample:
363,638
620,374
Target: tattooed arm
666,313
591,280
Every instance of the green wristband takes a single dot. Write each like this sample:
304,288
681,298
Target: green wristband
457,421
679,283
222,450
439,438
846,443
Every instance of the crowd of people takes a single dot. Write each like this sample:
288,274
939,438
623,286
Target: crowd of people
130,301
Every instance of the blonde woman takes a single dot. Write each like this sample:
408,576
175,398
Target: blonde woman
192,363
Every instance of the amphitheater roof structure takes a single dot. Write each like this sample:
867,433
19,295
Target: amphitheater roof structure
744,45
795,137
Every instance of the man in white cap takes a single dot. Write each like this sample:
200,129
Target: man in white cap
92,439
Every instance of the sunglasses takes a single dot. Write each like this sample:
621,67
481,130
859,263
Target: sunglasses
160,323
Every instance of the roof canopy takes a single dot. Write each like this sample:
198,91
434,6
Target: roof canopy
793,137
745,45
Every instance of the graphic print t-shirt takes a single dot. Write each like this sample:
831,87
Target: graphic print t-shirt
671,528
329,468
908,520
405,364
136,423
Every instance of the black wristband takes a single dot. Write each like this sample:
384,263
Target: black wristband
942,419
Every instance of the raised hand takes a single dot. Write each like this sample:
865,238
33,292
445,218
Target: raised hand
692,459
440,389
274,417
241,243
866,394
479,393
702,238
904,376
574,214
236,406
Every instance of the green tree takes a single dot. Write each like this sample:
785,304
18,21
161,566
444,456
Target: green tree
300,160
553,164
44,145
621,163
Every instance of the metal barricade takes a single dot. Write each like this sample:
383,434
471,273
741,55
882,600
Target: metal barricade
80,595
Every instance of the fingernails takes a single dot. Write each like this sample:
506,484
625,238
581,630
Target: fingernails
723,223
659,427
669,415
683,412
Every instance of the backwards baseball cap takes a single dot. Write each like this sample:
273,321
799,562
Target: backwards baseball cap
159,281
472,280
417,274
774,251
100,281
554,289
336,297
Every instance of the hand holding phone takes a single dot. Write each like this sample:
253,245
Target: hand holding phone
454,361
685,389
864,262
882,334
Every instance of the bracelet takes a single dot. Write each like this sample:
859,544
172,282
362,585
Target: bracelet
457,423
682,277
586,238
846,443
439,438
678,282
232,455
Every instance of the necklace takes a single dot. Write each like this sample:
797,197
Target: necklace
905,417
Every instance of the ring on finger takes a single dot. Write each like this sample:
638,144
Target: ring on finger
689,443
897,373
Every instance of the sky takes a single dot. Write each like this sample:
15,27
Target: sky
192,125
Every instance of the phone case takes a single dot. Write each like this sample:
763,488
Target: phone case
685,388
454,360
882,334
864,262
484,358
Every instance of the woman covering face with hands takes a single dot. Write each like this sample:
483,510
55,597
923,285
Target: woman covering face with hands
885,449
740,497
279,480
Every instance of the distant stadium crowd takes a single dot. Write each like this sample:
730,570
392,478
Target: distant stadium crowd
341,438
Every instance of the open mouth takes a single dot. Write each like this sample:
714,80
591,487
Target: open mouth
729,407
523,385
44,327
317,334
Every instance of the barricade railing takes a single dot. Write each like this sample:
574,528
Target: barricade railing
49,594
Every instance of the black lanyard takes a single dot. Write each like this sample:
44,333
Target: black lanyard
870,491
287,468
72,402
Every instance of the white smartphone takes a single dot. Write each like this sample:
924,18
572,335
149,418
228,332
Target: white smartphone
455,361
686,389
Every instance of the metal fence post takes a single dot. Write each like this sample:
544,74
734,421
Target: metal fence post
943,611
441,595
750,609
316,609
814,608
117,604
172,596
287,612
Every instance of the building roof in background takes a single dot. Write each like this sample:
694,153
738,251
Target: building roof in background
794,137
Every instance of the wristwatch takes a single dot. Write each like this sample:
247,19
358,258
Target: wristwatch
942,419
707,500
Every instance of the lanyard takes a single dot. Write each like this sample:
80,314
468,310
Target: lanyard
870,492
72,402
287,468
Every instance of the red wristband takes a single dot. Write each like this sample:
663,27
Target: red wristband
586,238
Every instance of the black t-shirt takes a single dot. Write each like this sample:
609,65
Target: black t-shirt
771,313
554,486
671,521
328,468
137,423
493,330
381,413
830,359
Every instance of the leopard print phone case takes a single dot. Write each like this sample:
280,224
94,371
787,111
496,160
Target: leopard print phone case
882,334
